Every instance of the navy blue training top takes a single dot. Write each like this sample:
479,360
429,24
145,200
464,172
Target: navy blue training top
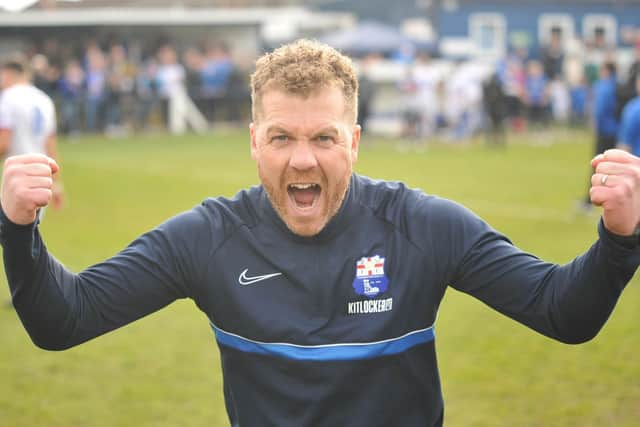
332,330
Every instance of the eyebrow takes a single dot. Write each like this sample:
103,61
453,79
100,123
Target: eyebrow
329,129
276,129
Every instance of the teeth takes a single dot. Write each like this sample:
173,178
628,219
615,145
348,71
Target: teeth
302,186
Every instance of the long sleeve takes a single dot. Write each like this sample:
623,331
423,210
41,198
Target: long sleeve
568,302
60,309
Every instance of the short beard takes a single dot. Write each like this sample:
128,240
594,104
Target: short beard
335,203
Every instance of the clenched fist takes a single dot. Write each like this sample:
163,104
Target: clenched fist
27,185
616,187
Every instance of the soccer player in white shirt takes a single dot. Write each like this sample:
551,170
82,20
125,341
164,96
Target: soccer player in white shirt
27,120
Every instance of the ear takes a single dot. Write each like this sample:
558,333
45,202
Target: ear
355,142
254,144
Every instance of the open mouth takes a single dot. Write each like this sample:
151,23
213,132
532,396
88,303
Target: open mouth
304,195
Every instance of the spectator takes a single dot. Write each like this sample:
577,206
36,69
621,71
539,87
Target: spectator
43,75
553,56
411,105
464,101
579,94
404,54
216,73
604,108
96,78
193,60
237,96
537,98
427,79
366,91
604,116
627,90
513,77
593,59
120,84
560,100
71,90
495,106
146,92
629,138
170,78
634,70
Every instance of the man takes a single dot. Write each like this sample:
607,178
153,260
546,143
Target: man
604,115
629,138
537,94
634,70
604,110
27,120
322,286
553,55
494,103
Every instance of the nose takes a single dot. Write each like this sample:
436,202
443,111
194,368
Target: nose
303,157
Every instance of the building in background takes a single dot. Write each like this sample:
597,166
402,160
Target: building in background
245,26
491,27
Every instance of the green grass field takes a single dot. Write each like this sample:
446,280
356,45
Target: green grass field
164,370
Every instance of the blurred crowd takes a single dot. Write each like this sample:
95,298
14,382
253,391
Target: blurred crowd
118,87
557,87
518,92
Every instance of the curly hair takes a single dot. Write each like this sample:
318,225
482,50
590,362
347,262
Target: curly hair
302,68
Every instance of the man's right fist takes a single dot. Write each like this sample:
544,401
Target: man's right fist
27,182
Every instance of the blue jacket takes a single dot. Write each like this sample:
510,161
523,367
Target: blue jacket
332,330
630,126
604,109
536,87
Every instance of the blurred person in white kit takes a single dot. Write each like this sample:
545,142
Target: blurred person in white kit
27,123
27,120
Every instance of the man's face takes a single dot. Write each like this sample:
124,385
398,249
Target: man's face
305,149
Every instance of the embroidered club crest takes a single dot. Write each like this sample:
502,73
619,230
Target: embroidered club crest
370,278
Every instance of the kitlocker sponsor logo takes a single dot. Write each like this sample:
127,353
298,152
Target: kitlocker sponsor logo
370,281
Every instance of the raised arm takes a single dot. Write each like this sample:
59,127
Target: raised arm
569,302
61,309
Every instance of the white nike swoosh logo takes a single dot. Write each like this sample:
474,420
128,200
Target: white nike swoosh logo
246,280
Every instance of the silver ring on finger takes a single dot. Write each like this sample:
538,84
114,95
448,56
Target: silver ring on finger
603,180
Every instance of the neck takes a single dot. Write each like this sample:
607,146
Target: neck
13,82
